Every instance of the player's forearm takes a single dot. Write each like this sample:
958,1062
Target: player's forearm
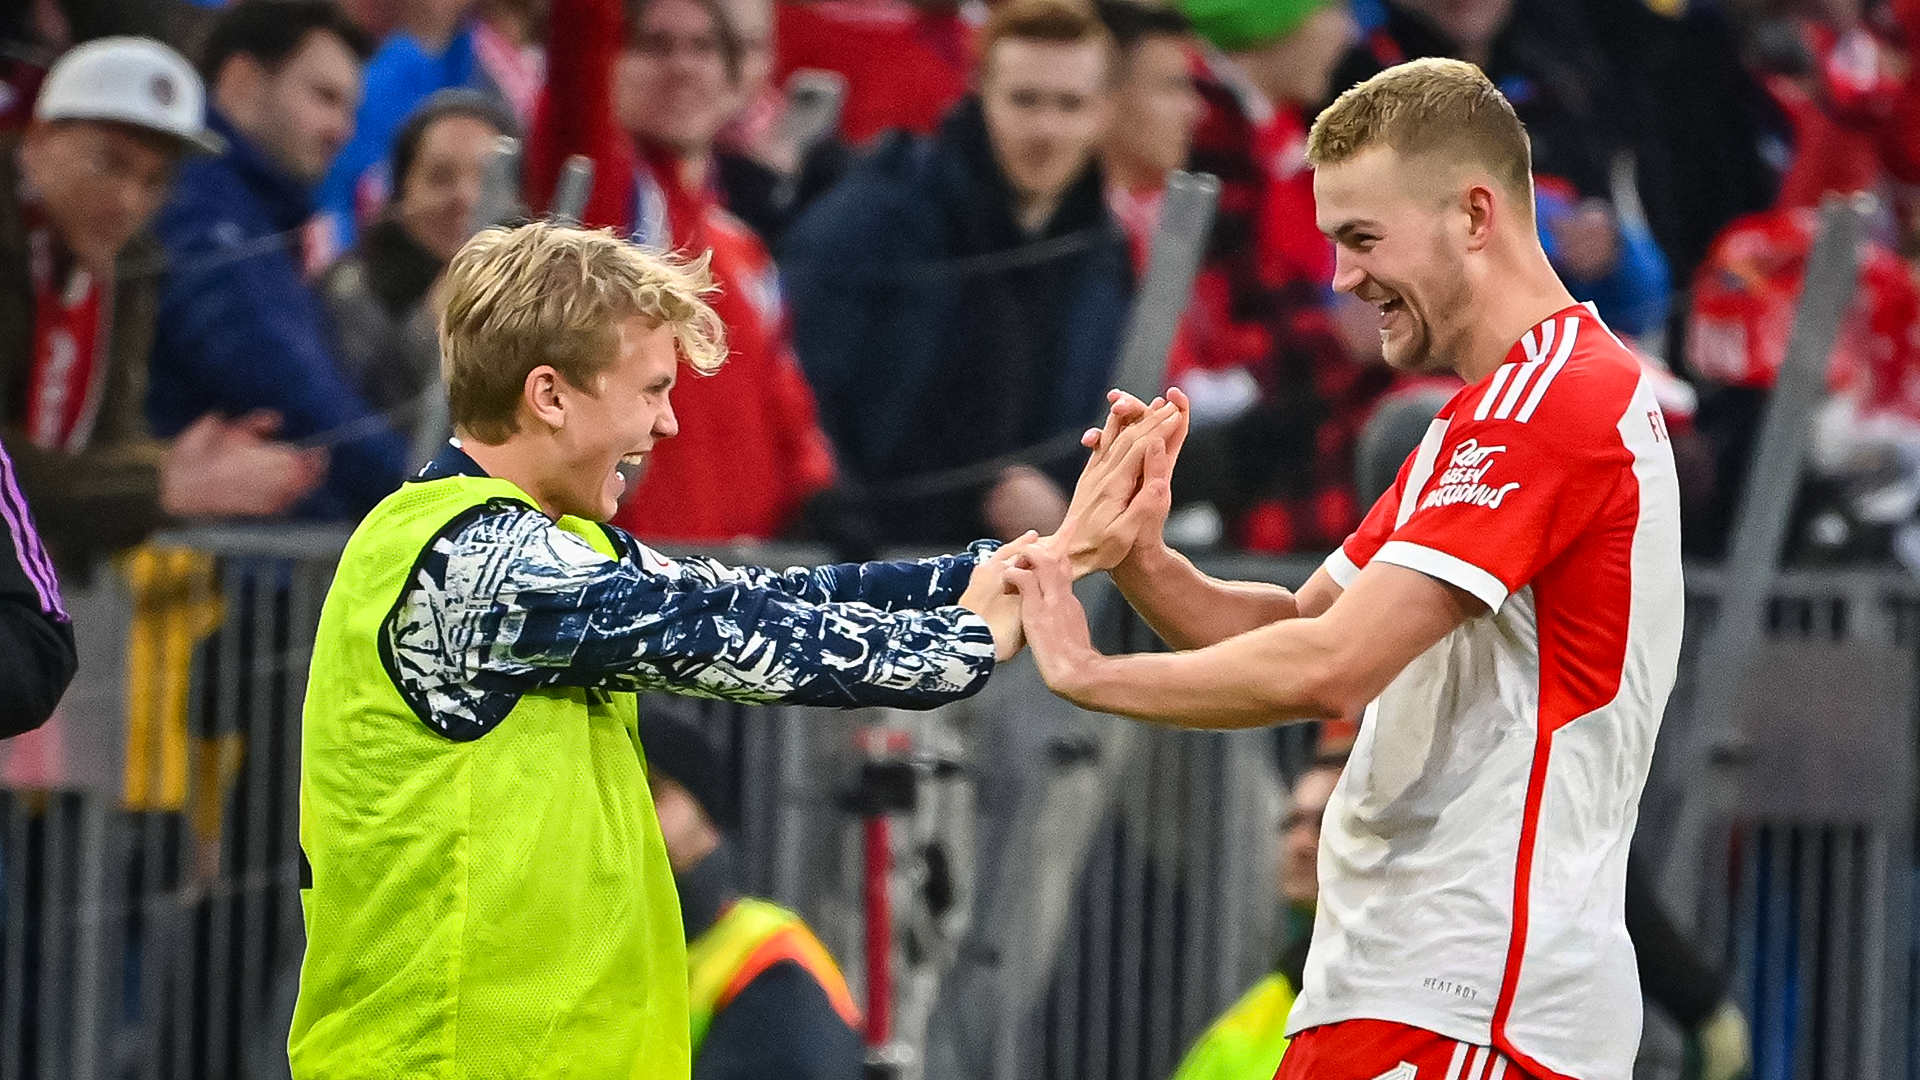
1190,610
1248,681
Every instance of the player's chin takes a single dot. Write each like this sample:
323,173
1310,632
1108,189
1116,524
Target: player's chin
609,501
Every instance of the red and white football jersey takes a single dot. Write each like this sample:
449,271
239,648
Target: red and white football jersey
1473,859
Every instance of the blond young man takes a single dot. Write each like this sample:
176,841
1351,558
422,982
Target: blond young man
489,895
1507,618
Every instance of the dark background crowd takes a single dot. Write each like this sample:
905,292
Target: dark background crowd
928,220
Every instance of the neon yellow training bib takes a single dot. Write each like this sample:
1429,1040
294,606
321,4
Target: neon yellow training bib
500,908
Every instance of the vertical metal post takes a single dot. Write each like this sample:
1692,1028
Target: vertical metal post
98,940
1809,851
1205,827
1842,952
238,579
1132,918
1760,527
1161,844
252,882
13,1006
499,186
56,950
1100,967
570,193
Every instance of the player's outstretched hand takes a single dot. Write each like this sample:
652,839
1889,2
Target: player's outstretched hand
989,596
1055,623
1125,490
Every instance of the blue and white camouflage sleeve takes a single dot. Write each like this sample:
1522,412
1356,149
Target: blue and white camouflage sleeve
508,602
889,586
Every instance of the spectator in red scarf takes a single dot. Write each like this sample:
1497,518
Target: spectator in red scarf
112,122
644,92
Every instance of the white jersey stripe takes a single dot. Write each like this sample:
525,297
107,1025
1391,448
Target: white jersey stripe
1559,361
1476,1064
1424,461
1517,387
1499,1068
1459,1059
1546,342
1500,378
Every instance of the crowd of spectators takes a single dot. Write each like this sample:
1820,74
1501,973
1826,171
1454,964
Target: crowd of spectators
928,219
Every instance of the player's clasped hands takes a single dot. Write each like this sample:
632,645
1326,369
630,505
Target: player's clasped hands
1025,590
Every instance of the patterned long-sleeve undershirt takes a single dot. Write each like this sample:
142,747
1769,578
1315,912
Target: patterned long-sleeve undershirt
504,602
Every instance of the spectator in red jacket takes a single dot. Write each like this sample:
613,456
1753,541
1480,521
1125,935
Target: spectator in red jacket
645,92
1850,97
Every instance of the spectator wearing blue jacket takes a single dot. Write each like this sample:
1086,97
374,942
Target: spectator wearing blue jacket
961,299
240,328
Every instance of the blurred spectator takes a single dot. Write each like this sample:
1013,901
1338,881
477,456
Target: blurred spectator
767,999
375,18
37,658
960,299
1545,57
112,122
31,35
905,62
1278,400
380,293
1155,112
1674,976
1698,122
1842,72
783,151
1866,446
441,44
240,327
751,453
1249,1039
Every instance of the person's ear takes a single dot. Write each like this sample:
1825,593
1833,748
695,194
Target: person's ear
543,395
237,89
1480,207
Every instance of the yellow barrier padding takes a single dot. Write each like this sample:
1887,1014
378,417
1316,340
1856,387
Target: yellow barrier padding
176,605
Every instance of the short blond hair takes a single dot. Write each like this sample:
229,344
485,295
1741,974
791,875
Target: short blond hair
552,294
1432,106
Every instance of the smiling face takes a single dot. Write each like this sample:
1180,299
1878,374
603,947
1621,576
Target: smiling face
99,183
620,420
1400,245
672,83
442,187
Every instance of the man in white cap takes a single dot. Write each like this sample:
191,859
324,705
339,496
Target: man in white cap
78,295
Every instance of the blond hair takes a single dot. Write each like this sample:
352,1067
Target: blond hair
551,294
1428,107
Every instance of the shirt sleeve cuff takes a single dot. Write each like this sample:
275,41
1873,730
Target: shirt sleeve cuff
1340,568
1448,568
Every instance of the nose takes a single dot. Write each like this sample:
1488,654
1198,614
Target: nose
1347,275
666,425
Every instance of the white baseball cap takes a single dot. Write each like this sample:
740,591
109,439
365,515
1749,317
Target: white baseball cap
130,80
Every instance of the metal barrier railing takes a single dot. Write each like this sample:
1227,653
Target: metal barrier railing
150,925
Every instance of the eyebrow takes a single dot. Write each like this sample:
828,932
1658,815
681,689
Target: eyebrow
1342,232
